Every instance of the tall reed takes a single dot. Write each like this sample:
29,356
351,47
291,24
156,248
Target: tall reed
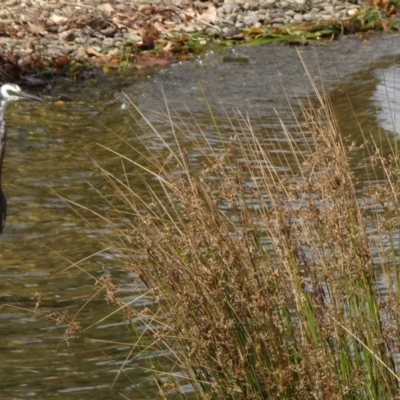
263,270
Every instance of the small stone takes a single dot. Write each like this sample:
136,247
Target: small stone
301,2
308,17
298,18
224,21
80,39
95,43
109,31
229,8
108,42
132,38
251,5
250,19
106,7
57,18
79,54
290,13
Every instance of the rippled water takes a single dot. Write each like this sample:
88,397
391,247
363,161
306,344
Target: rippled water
49,156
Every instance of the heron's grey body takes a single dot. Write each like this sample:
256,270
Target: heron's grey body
8,93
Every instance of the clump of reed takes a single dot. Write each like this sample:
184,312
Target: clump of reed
263,270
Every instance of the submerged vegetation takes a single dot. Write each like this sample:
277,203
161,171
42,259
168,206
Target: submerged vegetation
271,279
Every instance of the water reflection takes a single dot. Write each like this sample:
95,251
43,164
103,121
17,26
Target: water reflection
386,97
50,152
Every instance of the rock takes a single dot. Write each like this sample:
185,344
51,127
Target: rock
108,42
132,38
352,12
250,20
106,7
308,17
251,5
79,54
109,31
199,5
298,18
229,8
277,15
95,43
58,19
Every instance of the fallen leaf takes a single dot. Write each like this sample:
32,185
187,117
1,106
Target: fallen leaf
385,25
92,52
61,61
149,60
210,15
37,29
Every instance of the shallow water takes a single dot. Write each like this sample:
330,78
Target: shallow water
50,152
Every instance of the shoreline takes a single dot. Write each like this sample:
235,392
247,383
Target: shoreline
45,36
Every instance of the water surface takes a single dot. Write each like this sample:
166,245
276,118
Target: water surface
50,153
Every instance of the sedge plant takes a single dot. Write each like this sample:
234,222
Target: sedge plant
263,268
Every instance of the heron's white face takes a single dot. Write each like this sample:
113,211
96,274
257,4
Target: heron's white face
8,91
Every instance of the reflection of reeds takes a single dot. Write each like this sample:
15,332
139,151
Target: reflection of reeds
264,278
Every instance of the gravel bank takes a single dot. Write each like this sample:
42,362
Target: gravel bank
40,34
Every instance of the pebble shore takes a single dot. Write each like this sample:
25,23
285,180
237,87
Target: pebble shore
34,31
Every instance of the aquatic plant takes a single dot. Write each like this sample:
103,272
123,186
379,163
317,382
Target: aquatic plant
263,271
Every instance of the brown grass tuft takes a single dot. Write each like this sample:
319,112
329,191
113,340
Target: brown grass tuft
263,271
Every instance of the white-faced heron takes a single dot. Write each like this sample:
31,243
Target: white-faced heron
8,93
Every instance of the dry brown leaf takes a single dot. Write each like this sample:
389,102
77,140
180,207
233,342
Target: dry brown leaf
37,29
209,16
61,61
92,52
385,25
149,60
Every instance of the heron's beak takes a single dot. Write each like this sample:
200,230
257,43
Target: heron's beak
27,96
